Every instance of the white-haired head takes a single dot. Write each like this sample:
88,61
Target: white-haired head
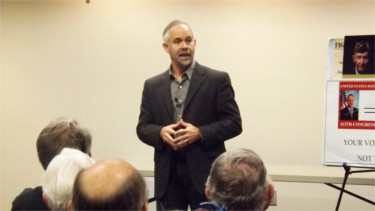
58,179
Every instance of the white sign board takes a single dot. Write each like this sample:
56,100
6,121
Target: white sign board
350,123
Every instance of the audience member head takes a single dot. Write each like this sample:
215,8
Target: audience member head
110,184
58,179
61,133
238,180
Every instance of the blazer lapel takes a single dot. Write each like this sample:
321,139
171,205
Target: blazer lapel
196,81
165,94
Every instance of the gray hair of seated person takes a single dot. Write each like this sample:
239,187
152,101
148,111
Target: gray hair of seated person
58,179
61,133
238,180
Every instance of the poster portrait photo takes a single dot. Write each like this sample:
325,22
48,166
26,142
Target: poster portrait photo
358,61
349,105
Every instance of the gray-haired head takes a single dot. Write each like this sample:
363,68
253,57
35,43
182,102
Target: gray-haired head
172,24
61,133
238,180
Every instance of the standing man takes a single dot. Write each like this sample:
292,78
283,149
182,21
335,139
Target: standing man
187,113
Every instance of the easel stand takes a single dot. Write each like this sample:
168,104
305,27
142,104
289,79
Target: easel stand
342,189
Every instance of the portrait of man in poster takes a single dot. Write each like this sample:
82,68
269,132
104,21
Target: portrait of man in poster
359,56
348,110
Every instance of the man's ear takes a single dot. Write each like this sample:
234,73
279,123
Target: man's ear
145,206
270,194
207,192
165,46
69,207
45,199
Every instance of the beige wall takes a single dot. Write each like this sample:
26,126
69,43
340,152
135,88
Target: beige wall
89,61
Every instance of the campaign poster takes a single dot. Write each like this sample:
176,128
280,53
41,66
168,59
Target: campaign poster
350,123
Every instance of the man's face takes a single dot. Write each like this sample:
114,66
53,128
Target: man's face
360,61
350,101
181,45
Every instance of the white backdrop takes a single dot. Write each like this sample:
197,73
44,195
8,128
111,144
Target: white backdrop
89,61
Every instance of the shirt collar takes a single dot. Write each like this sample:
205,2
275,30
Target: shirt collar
213,206
188,72
356,71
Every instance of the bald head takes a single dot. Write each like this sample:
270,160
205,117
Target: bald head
106,178
110,184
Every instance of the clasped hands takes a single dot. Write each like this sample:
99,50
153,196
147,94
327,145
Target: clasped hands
180,135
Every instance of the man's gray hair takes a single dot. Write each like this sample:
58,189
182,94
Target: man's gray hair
172,24
61,133
238,180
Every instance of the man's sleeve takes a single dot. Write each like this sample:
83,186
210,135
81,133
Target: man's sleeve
229,123
147,131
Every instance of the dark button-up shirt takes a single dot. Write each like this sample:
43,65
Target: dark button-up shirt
179,91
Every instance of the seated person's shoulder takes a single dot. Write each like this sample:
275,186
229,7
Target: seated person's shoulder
29,199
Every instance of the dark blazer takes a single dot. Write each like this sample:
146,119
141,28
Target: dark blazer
30,199
345,114
209,105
